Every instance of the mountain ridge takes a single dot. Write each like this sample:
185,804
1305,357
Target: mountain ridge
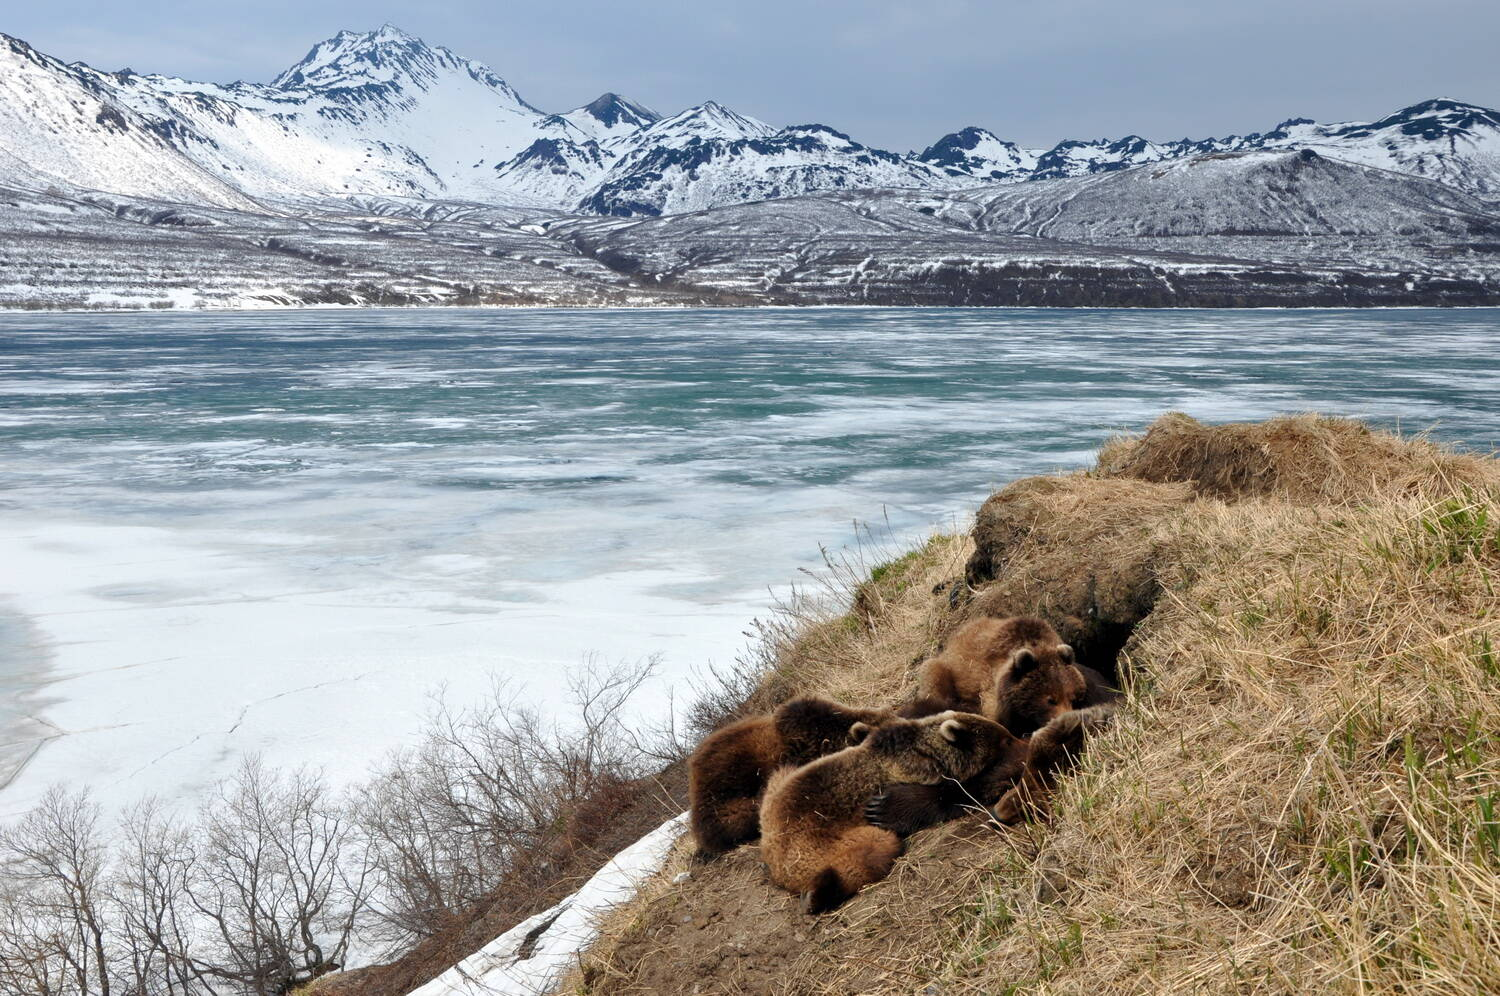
385,114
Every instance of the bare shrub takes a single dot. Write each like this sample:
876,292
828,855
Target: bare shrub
155,862
54,902
497,812
276,880
496,793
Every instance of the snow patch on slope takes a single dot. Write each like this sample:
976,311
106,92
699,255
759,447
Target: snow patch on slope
534,955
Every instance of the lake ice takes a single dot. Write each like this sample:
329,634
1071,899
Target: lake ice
284,532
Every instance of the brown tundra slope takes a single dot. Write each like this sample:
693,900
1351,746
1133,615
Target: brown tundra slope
1300,794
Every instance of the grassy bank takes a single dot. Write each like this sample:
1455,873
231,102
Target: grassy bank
1301,795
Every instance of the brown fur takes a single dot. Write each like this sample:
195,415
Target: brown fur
906,808
1034,678
816,840
1099,691
1015,671
728,771
1055,749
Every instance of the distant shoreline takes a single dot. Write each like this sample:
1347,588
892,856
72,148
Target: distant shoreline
279,308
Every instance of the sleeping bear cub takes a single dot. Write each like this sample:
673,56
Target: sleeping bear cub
1016,671
728,771
814,837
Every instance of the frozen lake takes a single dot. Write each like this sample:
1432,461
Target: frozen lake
281,532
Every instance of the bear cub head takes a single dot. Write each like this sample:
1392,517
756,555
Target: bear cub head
955,745
1039,683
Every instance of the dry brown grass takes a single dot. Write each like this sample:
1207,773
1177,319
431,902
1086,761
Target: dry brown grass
1298,801
1303,459
1302,792
859,635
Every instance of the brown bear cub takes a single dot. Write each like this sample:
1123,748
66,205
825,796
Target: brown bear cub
1016,671
1053,750
728,771
815,838
904,809
1033,678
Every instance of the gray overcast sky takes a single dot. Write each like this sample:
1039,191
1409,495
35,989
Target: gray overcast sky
892,74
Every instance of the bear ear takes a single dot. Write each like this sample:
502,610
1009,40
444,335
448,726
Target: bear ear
1023,661
1065,652
952,729
858,731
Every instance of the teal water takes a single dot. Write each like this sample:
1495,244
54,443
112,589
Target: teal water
537,468
913,409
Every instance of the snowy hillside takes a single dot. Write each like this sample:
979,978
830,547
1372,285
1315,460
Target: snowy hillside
1263,192
57,126
1229,229
1258,228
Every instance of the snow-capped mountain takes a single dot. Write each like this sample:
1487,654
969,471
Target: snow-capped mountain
380,113
374,113
59,127
552,171
1104,156
1255,193
705,122
1441,139
1240,229
695,170
978,154
384,115
610,116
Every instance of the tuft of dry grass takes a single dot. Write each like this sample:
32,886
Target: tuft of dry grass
1301,794
1303,459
